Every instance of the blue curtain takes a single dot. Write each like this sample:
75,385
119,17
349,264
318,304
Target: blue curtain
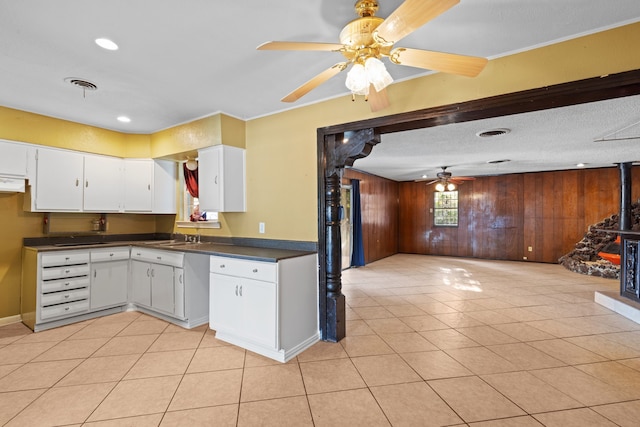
357,257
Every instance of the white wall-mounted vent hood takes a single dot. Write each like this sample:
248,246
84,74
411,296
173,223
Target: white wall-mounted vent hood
12,185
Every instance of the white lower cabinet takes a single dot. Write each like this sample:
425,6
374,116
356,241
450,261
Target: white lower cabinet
270,308
109,277
244,308
171,284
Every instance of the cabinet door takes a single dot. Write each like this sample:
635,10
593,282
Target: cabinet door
102,183
209,179
162,292
109,283
138,191
259,307
13,161
164,186
141,283
225,308
59,180
178,287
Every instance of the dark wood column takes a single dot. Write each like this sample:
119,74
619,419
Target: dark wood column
629,244
335,151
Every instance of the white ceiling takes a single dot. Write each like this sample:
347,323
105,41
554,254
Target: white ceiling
182,60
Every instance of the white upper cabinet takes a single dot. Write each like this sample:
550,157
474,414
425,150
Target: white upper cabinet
138,188
59,181
165,182
221,179
13,159
102,184
150,186
69,181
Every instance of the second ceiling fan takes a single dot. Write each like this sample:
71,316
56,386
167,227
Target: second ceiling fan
445,181
367,39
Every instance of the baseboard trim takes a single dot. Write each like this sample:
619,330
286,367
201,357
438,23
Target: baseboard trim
11,319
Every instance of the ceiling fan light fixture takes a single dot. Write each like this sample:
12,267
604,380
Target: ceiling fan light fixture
440,187
357,81
451,186
377,73
360,77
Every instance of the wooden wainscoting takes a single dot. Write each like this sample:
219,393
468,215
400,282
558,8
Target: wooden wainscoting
500,217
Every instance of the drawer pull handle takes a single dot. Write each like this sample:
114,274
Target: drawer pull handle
138,253
67,271
66,296
240,290
255,270
148,272
67,284
158,257
67,308
236,290
221,265
67,258
110,254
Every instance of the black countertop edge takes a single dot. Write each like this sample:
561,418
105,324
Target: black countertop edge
246,248
90,239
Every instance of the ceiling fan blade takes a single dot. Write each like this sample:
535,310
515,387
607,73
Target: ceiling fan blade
312,46
469,66
315,82
378,100
411,15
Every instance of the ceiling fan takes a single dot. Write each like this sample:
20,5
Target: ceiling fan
367,39
445,181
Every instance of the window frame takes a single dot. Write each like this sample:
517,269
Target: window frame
437,209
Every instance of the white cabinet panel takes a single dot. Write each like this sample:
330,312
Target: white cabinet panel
221,179
59,180
138,191
162,290
109,283
165,183
13,159
102,184
141,283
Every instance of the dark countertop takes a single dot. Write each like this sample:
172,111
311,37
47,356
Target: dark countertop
206,248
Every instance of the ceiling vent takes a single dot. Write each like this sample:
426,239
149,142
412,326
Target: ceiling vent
493,132
85,85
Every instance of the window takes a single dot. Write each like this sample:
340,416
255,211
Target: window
445,208
188,204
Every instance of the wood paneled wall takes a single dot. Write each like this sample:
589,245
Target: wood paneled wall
500,217
379,200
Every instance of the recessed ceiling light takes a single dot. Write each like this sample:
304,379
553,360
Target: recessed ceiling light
581,165
106,44
124,119
493,132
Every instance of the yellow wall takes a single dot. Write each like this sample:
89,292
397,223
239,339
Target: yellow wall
281,149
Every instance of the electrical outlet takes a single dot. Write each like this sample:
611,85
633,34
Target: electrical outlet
261,228
530,248
524,257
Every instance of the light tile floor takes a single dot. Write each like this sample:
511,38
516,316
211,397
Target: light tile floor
431,341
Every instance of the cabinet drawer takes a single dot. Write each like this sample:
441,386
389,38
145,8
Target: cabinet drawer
264,271
62,272
175,259
61,297
64,284
111,254
64,309
64,258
